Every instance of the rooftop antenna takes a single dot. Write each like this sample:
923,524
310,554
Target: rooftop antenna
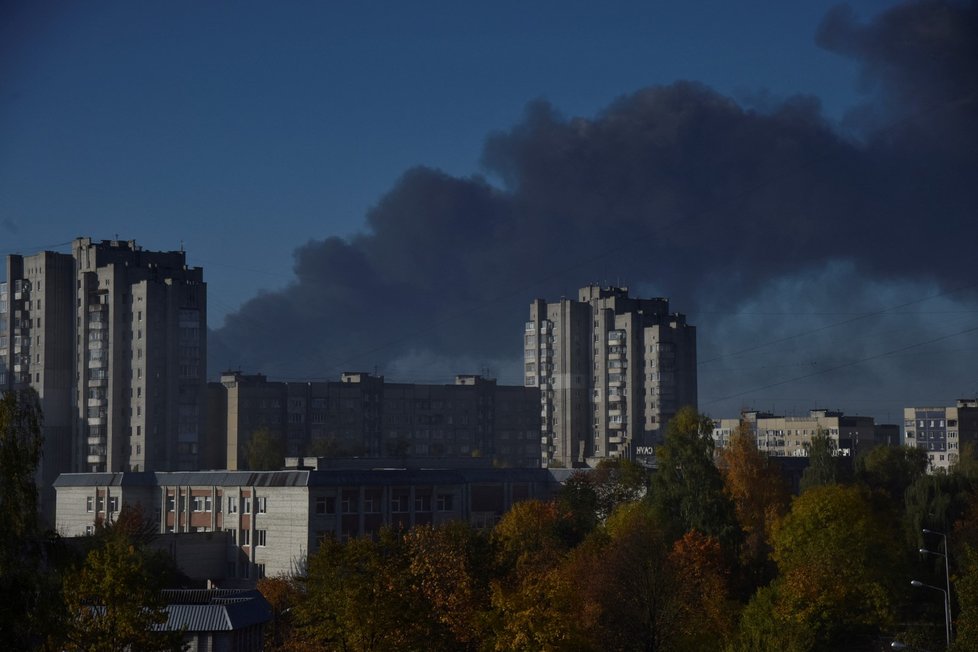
181,246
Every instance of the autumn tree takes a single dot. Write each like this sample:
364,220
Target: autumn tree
760,497
265,451
631,589
450,566
707,611
529,596
842,567
360,596
114,601
688,489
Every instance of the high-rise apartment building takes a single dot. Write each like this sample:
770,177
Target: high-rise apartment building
113,338
612,370
942,431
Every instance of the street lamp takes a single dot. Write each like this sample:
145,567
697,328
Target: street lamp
947,613
947,575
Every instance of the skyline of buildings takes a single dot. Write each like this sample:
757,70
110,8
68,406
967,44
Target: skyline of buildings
113,338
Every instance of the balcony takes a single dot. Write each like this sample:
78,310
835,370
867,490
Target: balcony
95,459
616,439
97,440
96,421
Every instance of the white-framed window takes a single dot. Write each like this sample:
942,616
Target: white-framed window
89,504
246,537
232,504
170,503
89,530
262,504
325,504
261,537
399,503
113,503
445,502
247,505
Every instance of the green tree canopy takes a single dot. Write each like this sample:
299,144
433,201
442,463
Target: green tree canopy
687,488
265,451
114,600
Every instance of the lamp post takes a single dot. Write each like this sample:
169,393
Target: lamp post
947,574
947,613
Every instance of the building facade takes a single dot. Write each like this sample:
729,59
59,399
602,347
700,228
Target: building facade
113,339
364,416
612,370
780,436
942,431
273,520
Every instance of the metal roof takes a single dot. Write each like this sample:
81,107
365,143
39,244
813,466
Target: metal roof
215,610
293,478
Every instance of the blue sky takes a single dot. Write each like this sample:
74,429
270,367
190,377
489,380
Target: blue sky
261,135
245,129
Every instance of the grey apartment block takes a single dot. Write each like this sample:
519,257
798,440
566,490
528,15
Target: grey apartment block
942,431
363,416
113,338
612,370
780,436
274,519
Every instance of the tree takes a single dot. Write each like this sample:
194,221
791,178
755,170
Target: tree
114,601
760,497
265,451
892,469
27,611
842,567
706,610
360,596
450,567
824,466
631,588
687,488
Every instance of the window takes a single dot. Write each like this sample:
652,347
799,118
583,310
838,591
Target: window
246,537
260,570
445,502
371,504
100,504
247,505
234,537
232,504
350,500
202,503
262,504
170,503
89,504
261,537
114,504
89,530
325,504
422,503
399,503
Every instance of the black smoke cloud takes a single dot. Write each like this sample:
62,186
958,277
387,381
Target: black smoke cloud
760,224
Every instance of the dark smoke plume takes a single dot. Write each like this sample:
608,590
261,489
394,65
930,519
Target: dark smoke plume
758,224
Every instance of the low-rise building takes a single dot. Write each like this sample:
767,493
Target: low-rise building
274,519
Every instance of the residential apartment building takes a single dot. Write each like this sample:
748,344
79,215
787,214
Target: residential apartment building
113,339
364,416
612,370
942,431
273,520
780,436
36,351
